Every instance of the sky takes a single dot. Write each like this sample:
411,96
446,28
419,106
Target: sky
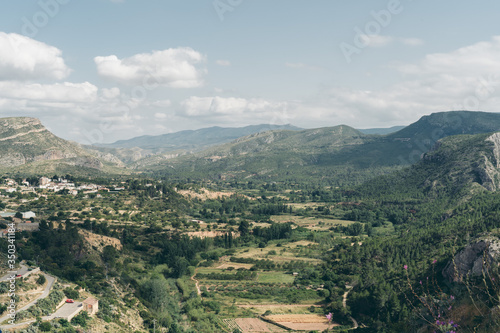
97,71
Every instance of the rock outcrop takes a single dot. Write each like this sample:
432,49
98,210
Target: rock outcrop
474,259
25,140
489,172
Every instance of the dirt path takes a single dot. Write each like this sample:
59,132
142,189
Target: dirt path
344,304
22,134
197,284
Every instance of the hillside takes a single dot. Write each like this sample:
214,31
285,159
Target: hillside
27,146
319,153
339,152
457,164
193,140
381,131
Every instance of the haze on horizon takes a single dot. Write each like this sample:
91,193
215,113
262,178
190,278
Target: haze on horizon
100,70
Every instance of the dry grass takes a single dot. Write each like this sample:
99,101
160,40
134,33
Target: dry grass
283,254
100,241
254,325
302,321
312,223
279,308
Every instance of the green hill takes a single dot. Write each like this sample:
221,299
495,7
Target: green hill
456,166
193,140
341,154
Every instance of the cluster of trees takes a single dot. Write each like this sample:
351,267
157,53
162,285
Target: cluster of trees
240,275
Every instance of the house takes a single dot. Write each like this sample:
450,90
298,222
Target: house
91,305
44,181
29,214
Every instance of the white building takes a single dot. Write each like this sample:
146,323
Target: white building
27,215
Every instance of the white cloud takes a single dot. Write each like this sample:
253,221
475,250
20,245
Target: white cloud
176,68
160,115
382,40
58,92
464,79
165,103
23,58
223,62
411,41
377,40
110,93
482,58
213,106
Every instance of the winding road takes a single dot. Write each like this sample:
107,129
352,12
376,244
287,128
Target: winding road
50,283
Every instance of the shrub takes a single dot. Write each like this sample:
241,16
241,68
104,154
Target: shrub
71,293
41,279
45,326
81,319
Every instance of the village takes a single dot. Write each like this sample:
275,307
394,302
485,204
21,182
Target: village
27,220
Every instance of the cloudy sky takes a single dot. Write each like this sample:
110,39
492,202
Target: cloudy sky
103,70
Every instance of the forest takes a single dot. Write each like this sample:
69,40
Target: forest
360,252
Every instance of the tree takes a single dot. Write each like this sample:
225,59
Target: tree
175,328
71,293
41,279
244,228
109,254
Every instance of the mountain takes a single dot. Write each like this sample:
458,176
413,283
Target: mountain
27,146
193,140
456,164
381,131
318,153
341,154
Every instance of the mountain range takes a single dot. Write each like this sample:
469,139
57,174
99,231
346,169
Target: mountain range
339,155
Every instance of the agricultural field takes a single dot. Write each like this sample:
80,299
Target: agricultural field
302,322
311,223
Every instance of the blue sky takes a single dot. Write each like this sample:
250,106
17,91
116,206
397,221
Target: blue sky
101,70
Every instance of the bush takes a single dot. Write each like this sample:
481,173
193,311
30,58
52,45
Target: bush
45,326
81,319
41,279
71,293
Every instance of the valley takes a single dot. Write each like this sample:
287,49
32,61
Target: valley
285,231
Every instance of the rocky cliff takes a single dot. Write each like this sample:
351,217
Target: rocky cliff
474,260
490,171
25,140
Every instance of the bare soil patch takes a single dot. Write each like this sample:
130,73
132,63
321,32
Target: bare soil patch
100,241
205,194
235,265
255,325
209,234
302,321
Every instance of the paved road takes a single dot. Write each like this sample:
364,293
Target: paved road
22,270
66,310
46,291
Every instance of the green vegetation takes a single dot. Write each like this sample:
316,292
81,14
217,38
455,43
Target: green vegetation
195,251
